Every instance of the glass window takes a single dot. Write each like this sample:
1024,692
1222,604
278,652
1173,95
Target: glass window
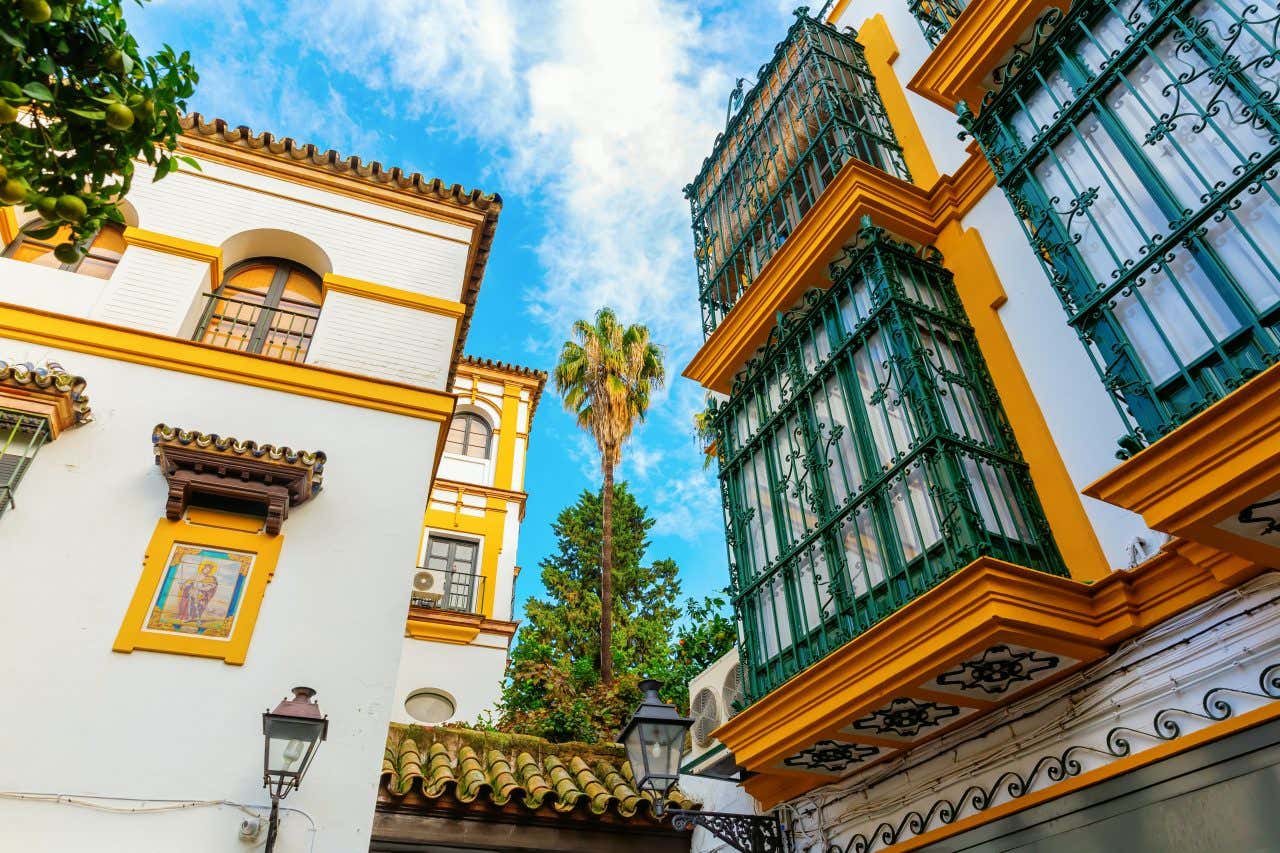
100,259
1139,144
469,435
268,306
448,577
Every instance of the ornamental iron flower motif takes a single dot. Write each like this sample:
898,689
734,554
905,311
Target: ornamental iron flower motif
831,755
997,669
905,717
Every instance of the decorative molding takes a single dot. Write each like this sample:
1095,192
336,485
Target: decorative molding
832,756
746,832
196,463
1215,708
393,296
905,717
211,255
997,669
48,390
161,351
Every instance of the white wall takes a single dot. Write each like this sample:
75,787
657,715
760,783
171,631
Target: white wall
80,718
471,674
1077,409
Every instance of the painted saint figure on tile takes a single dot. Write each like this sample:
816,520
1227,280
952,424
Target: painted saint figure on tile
200,591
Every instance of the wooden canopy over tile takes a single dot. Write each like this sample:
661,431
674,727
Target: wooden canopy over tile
198,463
47,391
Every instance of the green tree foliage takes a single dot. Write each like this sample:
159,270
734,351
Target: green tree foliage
554,688
78,103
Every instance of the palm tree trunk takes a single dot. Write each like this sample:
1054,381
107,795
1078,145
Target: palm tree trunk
606,573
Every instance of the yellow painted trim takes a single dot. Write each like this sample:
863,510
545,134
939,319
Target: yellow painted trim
980,39
1219,461
881,52
982,294
8,225
1119,767
233,650
505,464
986,603
393,296
160,351
903,209
837,11
427,628
489,528
170,245
229,520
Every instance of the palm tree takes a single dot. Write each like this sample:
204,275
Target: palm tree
605,377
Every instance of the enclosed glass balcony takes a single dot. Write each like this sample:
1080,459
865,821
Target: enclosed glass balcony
1139,144
936,17
864,459
814,108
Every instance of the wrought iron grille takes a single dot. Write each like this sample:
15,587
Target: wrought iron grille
864,458
249,325
814,108
1137,141
936,17
21,437
461,592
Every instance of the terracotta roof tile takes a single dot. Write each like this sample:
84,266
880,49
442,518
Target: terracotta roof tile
51,377
515,369
489,768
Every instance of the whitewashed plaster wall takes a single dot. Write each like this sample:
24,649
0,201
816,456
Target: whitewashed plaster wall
82,719
471,674
1079,413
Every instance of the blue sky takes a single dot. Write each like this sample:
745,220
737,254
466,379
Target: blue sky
588,116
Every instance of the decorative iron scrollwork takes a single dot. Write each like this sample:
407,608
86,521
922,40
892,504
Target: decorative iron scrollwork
748,833
833,756
1266,513
997,669
906,717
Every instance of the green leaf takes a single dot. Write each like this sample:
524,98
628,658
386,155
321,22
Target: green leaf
11,39
41,232
93,115
39,91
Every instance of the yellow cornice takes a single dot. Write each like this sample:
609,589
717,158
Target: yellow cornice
211,255
1215,463
393,296
484,491
977,42
985,603
166,353
836,11
8,224
903,209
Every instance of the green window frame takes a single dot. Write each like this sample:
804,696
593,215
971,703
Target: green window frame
936,17
1139,144
814,108
864,458
21,437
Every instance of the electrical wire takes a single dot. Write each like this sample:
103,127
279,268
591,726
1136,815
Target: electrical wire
88,801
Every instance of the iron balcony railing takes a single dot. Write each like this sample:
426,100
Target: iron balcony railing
460,592
814,108
936,17
21,437
1139,144
250,326
864,458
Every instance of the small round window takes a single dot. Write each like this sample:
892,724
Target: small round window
430,706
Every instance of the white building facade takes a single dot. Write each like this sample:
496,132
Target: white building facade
217,436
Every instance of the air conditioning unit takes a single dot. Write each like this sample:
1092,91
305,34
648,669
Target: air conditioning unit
713,695
428,588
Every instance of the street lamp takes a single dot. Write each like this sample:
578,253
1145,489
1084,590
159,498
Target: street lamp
654,738
292,734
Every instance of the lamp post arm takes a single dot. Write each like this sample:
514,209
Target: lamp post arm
748,833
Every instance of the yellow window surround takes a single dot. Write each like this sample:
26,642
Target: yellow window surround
215,531
393,296
489,528
154,240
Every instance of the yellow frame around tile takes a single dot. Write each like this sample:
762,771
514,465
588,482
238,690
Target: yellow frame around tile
234,649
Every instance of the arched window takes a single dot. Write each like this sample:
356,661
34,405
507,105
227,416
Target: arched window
99,260
264,305
469,436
